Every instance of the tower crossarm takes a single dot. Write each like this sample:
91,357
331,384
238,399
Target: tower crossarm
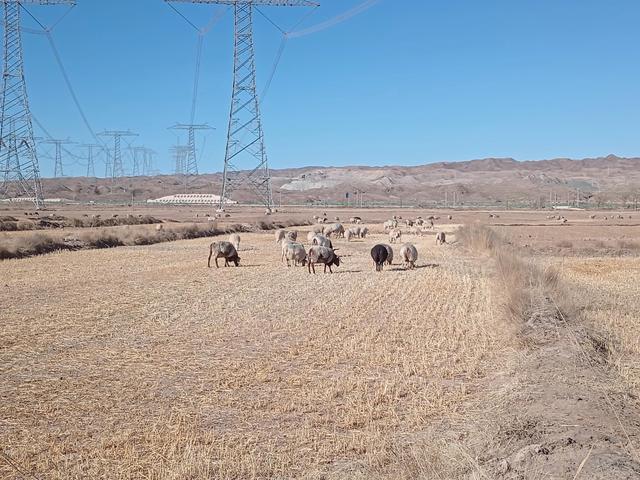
270,3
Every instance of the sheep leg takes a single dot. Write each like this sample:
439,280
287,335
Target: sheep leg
209,260
217,263
330,271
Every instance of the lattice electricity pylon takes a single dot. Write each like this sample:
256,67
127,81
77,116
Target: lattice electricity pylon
18,156
117,168
191,163
91,164
245,137
180,153
147,166
138,160
58,170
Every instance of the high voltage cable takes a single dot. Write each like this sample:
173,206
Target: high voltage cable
48,33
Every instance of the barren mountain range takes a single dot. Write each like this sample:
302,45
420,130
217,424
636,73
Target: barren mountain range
487,181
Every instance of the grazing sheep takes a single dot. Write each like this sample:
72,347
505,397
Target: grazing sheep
223,250
336,229
450,217
159,228
389,253
324,255
267,212
356,220
295,252
280,234
408,222
379,255
420,221
441,238
293,235
364,232
395,235
234,239
354,232
322,241
348,235
390,224
336,219
409,255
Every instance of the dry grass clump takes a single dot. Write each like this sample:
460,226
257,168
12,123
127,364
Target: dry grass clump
28,246
531,293
478,238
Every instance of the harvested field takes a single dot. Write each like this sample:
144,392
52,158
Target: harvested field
140,362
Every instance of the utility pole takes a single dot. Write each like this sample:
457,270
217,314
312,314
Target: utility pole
58,171
245,159
117,168
18,157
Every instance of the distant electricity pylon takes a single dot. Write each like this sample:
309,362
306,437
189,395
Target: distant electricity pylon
91,164
58,170
138,160
180,153
245,137
117,168
147,165
191,162
18,157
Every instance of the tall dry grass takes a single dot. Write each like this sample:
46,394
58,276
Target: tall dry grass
29,245
531,292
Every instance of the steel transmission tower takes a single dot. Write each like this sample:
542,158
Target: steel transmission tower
115,163
139,154
180,154
191,163
245,157
58,171
91,164
147,166
18,157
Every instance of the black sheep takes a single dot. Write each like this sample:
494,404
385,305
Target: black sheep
379,255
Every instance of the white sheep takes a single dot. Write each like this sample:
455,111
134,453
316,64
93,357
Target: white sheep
280,234
295,252
348,235
234,239
395,235
409,255
322,241
292,235
364,232
441,238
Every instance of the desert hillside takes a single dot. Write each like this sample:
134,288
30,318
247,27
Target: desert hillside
487,181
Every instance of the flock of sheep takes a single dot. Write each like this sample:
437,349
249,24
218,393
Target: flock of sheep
322,251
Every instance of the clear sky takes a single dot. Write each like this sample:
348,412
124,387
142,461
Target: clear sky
405,82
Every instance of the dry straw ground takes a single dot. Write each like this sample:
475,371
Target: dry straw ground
138,362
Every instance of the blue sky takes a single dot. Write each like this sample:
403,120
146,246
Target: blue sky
405,82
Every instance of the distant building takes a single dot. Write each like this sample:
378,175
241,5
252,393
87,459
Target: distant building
190,199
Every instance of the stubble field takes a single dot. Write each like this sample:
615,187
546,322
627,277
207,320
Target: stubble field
139,362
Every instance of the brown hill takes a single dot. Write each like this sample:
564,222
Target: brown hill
487,181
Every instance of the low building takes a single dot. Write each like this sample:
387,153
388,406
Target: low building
190,199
